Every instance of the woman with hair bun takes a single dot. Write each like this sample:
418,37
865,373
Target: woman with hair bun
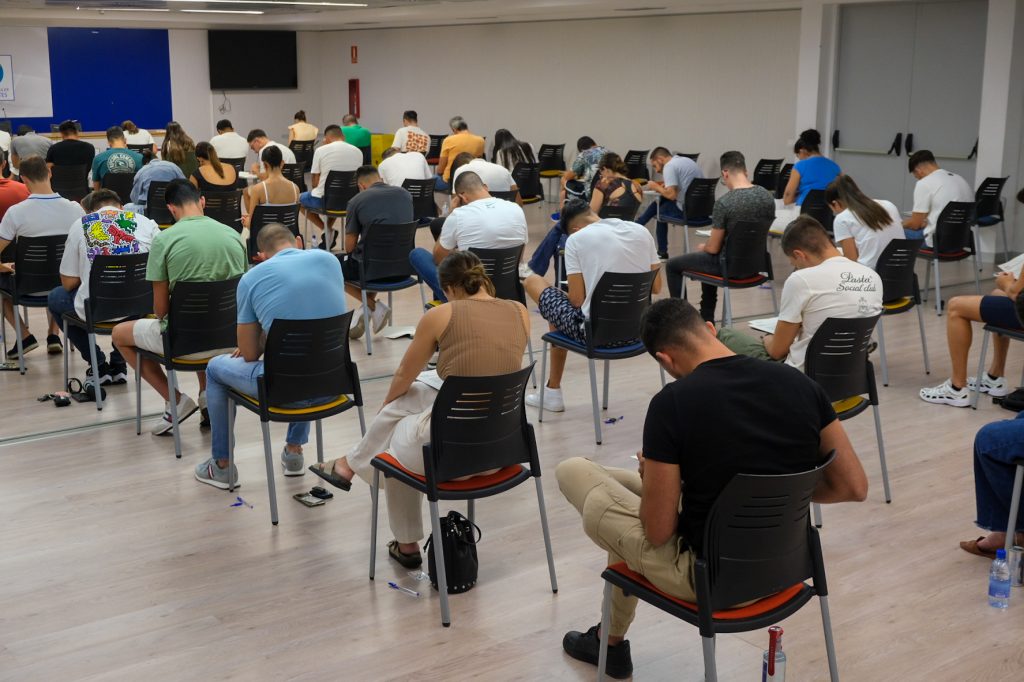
301,131
812,171
477,335
613,187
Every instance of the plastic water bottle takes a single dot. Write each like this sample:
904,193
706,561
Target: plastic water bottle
999,582
773,662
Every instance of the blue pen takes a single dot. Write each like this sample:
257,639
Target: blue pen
412,593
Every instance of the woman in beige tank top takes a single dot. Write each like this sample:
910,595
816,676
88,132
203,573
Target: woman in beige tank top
478,335
300,131
276,189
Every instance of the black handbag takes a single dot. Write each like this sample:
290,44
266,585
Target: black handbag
458,540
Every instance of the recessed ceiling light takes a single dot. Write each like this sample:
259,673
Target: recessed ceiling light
222,11
315,3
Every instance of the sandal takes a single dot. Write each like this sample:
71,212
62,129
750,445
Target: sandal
971,547
407,560
325,471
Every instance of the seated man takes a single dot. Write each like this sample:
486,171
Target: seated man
376,204
26,144
934,189
595,246
824,284
496,178
396,167
11,191
744,202
105,230
335,154
195,249
258,142
410,137
117,159
43,214
461,141
689,444
228,143
70,151
290,284
156,170
998,309
677,174
358,136
479,220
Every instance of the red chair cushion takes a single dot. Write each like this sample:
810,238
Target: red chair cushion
926,251
754,279
759,607
474,483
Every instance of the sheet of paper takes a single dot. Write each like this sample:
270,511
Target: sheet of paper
703,233
430,378
1013,266
766,325
398,332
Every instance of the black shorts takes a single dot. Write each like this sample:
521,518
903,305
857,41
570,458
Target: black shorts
1000,311
349,269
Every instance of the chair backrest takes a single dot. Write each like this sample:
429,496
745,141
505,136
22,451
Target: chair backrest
434,150
837,357
308,359
422,192
617,306
746,249
118,288
953,228
989,197
203,317
120,183
551,157
296,172
895,266
780,187
766,173
699,200
636,162
502,266
386,250
142,148
815,206
527,179
507,196
156,203
620,212
37,264
237,163
225,208
303,150
71,182
476,424
338,189
758,538
265,214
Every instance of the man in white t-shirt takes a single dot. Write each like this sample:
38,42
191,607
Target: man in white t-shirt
594,247
497,178
44,214
481,221
934,189
824,284
258,141
396,167
228,143
410,137
333,155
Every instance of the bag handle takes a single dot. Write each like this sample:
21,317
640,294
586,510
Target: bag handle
459,520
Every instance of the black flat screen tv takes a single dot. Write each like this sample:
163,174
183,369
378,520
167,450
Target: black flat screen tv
253,60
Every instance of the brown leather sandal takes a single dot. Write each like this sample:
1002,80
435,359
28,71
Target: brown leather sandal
971,547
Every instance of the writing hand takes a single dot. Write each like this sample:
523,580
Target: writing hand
640,463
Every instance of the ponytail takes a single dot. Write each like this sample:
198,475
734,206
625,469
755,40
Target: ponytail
463,270
869,212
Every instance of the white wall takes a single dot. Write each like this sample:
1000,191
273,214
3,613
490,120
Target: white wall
30,58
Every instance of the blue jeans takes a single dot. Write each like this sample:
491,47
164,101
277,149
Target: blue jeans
307,200
440,185
995,447
547,249
668,209
423,263
226,372
61,301
916,234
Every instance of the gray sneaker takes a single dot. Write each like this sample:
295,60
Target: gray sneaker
209,473
292,464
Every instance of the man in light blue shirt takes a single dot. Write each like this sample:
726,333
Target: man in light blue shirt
291,284
158,171
677,174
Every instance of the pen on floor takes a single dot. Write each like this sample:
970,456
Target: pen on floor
412,593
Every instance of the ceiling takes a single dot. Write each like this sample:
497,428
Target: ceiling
290,14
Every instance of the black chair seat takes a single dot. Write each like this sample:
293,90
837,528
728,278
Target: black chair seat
178,363
103,328
989,220
598,353
386,285
1016,334
33,300
734,282
929,252
476,487
294,414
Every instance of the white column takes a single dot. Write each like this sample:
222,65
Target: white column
809,79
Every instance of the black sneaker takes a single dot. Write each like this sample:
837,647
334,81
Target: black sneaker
53,345
584,646
663,255
118,374
29,343
104,375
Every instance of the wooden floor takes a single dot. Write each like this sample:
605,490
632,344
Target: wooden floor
116,564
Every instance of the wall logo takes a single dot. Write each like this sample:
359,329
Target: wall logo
6,78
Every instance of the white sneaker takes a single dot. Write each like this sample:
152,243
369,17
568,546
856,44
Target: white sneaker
553,401
358,326
524,271
186,408
945,394
994,386
380,317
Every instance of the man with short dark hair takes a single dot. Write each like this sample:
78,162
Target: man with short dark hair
117,159
578,180
935,188
410,137
195,249
357,136
744,202
228,143
335,154
258,142
26,145
70,151
461,141
701,430
677,174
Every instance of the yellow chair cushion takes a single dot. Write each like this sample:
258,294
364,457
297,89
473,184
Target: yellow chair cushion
552,174
900,304
312,409
841,406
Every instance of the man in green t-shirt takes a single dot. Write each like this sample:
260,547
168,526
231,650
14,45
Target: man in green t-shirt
194,249
356,135
117,159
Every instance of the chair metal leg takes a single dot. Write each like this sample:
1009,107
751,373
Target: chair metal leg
661,370
543,380
606,617
362,421
977,267
726,307
938,291
924,342
232,483
367,328
17,339
95,372
319,441
547,534
374,500
710,668
816,514
271,484
172,394
775,300
1011,524
64,326
442,578
593,400
470,510
533,372
981,369
830,645
927,281
423,296
686,239
1006,241
881,454
138,393
881,352
607,366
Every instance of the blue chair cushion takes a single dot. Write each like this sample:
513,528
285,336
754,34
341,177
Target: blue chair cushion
33,301
390,286
562,341
699,222
988,220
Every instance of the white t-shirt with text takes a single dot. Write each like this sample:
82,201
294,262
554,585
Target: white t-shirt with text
497,178
489,223
609,245
933,192
334,156
398,168
870,243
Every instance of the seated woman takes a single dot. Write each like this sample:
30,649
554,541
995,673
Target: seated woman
863,227
179,149
614,188
995,448
212,175
276,189
301,131
509,152
812,171
478,335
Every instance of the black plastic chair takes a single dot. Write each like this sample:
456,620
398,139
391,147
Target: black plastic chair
636,162
815,206
502,266
266,214
296,172
758,545
507,196
837,358
202,320
527,179
900,292
783,180
304,360
142,149
612,331
434,150
71,182
225,208
551,165
698,204
121,184
476,424
1015,334
239,165
118,289
745,264
423,206
953,241
384,266
156,204
303,151
988,206
36,272
620,212
766,173
339,188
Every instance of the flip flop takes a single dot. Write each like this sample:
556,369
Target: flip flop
971,547
406,560
326,472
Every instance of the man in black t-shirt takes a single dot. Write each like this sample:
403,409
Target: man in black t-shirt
722,417
70,151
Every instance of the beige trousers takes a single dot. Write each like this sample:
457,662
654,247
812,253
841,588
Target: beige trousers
608,499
